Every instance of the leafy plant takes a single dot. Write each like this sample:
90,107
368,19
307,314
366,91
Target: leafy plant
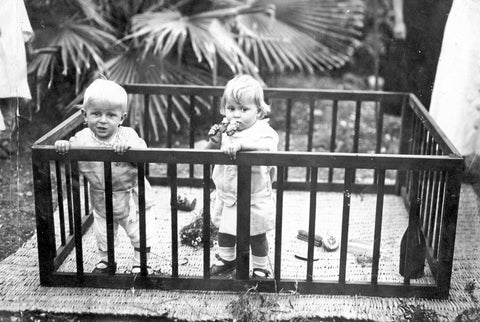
190,42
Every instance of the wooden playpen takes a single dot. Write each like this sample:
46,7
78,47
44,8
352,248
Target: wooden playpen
427,173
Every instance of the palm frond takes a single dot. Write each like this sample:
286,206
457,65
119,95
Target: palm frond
127,68
81,45
305,34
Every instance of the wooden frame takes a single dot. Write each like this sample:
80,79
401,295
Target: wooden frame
428,176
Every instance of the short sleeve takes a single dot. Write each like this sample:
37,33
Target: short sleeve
270,138
133,139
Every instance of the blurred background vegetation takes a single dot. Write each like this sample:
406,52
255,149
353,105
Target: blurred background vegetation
196,42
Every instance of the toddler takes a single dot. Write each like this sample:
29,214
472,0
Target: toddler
246,113
104,108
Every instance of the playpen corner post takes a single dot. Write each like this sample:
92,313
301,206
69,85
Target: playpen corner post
448,228
44,217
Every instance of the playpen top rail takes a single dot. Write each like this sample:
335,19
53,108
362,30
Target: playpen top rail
281,158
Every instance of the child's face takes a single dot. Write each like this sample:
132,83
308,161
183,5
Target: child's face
246,113
104,118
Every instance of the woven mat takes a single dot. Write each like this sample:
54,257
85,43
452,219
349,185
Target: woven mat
20,289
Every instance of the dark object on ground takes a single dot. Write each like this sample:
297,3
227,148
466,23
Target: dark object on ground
192,234
413,266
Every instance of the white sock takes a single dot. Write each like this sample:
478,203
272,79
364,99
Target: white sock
227,253
260,262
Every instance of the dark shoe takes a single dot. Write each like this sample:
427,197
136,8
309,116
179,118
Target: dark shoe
185,203
260,274
103,268
222,266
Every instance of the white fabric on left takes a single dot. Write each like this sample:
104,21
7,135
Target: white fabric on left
15,30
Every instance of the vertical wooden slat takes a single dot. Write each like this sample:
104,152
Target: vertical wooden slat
215,108
109,213
356,135
379,135
429,190
288,130
347,192
191,123
423,175
68,182
86,204
433,209
243,220
405,136
172,173
42,187
206,220
279,224
333,136
146,128
378,224
142,219
77,215
311,223
440,213
413,148
61,210
169,121
311,119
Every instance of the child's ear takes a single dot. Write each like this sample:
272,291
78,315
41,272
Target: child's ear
124,116
84,113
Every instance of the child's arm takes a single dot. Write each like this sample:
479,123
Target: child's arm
214,137
264,144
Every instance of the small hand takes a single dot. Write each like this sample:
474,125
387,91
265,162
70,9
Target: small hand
399,30
120,147
62,146
231,149
215,134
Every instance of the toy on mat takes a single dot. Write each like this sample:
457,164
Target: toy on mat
330,243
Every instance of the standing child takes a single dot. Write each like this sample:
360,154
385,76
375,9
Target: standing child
104,108
246,113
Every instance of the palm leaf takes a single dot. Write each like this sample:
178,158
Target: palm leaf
305,34
127,68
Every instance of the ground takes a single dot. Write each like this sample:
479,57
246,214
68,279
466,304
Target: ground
17,212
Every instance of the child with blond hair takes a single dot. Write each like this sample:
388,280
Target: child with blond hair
245,128
104,109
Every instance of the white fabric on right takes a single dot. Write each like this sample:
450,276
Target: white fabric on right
455,104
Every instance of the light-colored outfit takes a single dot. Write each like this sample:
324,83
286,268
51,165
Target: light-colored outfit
262,211
124,189
456,93
15,30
